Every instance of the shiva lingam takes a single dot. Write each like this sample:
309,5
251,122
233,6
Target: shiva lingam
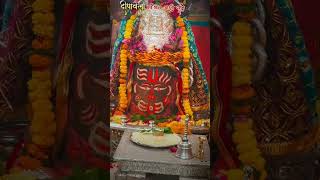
184,150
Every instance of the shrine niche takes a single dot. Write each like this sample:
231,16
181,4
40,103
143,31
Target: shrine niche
159,89
154,39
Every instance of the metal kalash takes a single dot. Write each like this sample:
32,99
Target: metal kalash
184,148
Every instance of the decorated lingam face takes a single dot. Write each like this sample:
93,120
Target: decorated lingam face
154,90
156,26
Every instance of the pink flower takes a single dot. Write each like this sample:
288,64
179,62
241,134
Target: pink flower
173,37
181,44
178,32
169,1
126,41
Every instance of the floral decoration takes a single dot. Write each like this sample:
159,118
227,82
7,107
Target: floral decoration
43,125
128,51
242,95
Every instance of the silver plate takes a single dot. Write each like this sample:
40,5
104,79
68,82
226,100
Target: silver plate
144,145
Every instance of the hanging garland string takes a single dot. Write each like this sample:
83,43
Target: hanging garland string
118,43
43,125
242,95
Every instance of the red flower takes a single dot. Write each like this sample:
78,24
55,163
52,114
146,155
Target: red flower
175,13
173,149
167,2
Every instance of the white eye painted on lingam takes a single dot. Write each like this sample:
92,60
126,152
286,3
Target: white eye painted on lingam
156,26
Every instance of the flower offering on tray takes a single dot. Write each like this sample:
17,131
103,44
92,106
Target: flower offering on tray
148,139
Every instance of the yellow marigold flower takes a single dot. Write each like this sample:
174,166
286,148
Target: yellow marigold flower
37,60
45,141
242,52
263,175
184,38
42,75
246,146
259,163
185,77
186,49
43,116
123,54
43,18
185,70
241,126
48,129
42,43
124,64
33,96
241,80
250,156
242,41
37,128
43,6
241,28
186,55
133,17
235,174
243,136
44,30
179,19
41,105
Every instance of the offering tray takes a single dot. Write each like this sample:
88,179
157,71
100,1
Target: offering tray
148,139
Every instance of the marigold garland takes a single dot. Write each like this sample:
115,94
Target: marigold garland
42,43
244,136
43,125
123,102
43,6
44,30
43,18
161,58
185,71
176,126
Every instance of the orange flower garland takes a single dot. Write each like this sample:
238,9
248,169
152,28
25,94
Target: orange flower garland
162,58
43,125
185,71
242,91
123,102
